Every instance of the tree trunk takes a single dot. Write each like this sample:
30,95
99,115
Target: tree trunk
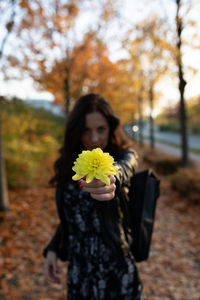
151,120
4,201
9,27
140,123
182,84
67,85
67,98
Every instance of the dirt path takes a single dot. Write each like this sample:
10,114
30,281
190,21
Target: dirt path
172,271
173,268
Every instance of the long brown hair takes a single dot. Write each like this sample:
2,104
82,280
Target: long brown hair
74,130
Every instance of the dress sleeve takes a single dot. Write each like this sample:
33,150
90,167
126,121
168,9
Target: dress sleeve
126,163
54,243
59,241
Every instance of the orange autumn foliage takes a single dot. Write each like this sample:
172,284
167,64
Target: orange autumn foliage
87,68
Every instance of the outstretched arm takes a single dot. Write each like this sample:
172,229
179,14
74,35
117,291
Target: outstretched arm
98,190
126,163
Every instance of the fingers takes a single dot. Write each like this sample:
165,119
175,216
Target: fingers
51,275
112,179
103,197
101,190
50,269
93,184
96,183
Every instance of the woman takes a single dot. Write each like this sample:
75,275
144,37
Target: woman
91,234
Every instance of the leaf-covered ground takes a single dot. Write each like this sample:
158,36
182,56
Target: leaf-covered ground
172,271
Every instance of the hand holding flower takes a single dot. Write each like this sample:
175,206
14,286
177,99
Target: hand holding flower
98,169
99,190
94,164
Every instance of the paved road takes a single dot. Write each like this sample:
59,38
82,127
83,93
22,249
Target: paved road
175,138
176,151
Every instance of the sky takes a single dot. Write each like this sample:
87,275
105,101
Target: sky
131,10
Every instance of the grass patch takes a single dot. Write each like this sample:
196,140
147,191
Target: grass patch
163,164
186,183
31,137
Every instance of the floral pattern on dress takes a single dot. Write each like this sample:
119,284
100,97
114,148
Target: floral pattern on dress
93,274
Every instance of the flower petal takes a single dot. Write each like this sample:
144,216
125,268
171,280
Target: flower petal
89,178
77,177
96,164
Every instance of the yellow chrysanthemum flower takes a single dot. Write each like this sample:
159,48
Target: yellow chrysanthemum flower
94,164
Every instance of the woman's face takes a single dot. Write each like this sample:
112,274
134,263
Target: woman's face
96,133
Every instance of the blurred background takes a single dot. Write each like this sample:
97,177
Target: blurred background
144,58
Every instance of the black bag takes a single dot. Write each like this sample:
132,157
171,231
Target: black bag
143,194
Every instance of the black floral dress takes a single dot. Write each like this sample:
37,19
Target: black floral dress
93,273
